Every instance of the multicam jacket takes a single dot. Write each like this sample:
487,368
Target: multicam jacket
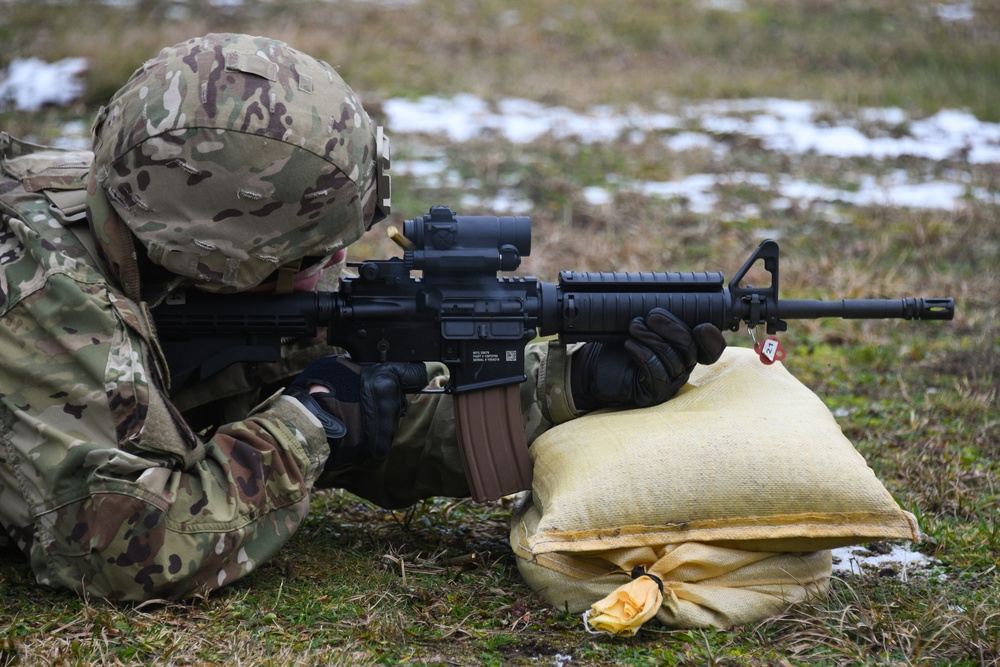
113,489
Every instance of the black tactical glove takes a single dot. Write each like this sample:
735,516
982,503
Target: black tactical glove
652,365
361,405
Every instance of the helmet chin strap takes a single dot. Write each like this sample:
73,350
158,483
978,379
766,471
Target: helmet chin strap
286,277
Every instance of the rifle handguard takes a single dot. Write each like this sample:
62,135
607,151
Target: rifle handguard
494,449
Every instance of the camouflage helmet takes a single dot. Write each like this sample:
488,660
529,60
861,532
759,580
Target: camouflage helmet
230,156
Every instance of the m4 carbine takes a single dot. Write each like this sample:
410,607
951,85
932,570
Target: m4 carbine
461,313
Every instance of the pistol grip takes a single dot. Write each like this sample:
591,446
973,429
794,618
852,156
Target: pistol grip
491,435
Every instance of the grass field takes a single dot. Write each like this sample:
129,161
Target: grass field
438,584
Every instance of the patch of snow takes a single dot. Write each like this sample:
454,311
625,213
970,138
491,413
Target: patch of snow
31,83
466,117
723,5
508,203
696,190
962,11
784,126
858,559
690,141
894,189
792,127
596,196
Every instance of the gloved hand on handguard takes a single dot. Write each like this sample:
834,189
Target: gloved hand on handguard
358,405
649,368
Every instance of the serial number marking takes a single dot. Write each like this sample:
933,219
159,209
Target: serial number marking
488,356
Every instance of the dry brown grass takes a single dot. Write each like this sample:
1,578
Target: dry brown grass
849,53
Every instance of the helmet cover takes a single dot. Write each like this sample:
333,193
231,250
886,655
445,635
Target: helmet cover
229,156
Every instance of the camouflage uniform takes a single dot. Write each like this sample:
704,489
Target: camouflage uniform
109,486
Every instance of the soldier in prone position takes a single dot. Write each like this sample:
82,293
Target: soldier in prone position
227,163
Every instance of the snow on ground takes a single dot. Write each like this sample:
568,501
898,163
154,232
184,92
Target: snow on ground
952,13
799,127
465,117
782,126
29,83
859,560
953,137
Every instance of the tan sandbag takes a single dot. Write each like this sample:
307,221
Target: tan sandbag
703,585
731,494
744,456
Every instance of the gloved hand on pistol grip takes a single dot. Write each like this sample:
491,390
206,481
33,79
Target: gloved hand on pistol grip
359,405
649,368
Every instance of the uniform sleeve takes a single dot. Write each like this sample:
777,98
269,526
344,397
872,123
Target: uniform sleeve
425,459
102,484
546,398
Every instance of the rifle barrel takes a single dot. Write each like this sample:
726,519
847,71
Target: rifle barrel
868,309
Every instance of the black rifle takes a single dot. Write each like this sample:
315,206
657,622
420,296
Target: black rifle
461,313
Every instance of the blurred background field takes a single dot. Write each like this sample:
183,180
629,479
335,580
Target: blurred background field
863,136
